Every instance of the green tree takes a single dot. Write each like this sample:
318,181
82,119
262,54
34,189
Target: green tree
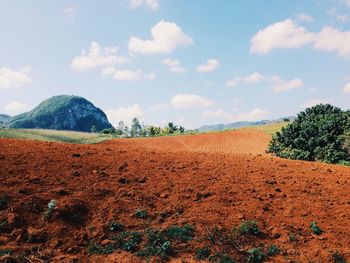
172,127
316,134
136,128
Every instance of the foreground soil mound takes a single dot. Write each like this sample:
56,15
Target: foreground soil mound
128,200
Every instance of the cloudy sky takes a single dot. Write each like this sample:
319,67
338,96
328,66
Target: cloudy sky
193,62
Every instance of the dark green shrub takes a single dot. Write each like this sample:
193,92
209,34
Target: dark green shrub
292,237
256,255
5,252
249,228
316,135
50,207
141,213
315,229
338,258
202,253
184,234
273,250
98,249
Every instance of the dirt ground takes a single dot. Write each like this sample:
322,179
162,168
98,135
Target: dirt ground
210,181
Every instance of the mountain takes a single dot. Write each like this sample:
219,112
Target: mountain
4,119
235,125
62,113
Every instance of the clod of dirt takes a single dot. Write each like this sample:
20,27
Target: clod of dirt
75,173
36,235
74,213
123,167
200,196
77,155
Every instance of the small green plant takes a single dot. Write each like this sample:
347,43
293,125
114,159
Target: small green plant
156,245
256,255
315,229
50,207
128,241
98,249
116,226
4,201
249,228
292,237
273,250
338,258
141,213
184,234
202,253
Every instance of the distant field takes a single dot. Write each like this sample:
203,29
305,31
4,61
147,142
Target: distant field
54,136
271,129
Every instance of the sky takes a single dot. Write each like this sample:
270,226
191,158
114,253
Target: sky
192,62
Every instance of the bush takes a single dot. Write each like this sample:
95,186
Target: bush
316,135
116,226
184,234
338,258
273,250
156,245
249,228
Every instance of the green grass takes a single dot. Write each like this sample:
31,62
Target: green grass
271,129
55,136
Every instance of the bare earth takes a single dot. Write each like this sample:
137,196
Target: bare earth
207,180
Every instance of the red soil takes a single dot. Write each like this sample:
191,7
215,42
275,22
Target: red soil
208,180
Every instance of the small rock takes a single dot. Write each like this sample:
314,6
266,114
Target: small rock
240,216
164,195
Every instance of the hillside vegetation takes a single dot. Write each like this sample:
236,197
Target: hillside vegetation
62,113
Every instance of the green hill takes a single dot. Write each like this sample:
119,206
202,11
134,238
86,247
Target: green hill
62,113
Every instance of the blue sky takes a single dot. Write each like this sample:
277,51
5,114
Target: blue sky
193,62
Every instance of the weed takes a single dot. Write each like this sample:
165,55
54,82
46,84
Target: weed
202,253
249,228
215,235
156,245
116,226
273,250
256,255
141,213
338,258
315,229
4,200
99,249
292,237
183,234
50,207
128,241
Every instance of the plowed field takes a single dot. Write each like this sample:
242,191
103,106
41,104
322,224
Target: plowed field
213,182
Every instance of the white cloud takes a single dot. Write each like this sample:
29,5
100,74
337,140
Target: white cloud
254,115
15,107
190,101
174,65
159,107
279,84
150,76
304,17
97,56
342,18
332,39
69,11
253,78
152,4
285,34
165,37
211,65
313,102
125,114
125,74
10,79
347,88
288,34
